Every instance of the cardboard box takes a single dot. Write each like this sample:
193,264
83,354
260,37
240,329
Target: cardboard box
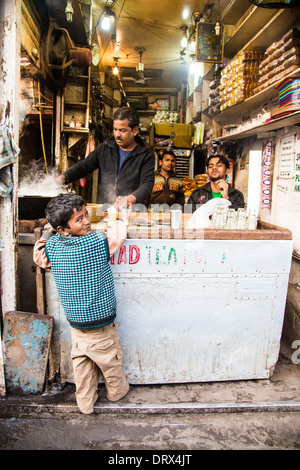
181,134
162,105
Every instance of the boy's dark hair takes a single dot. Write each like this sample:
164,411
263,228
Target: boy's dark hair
222,159
60,209
128,113
166,152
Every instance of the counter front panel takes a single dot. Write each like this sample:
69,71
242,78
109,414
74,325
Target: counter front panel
193,310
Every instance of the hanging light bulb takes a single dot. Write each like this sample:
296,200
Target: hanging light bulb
69,11
115,69
217,28
185,13
193,42
184,39
192,68
107,20
105,23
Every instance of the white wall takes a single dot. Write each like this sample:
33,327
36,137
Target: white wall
285,209
285,200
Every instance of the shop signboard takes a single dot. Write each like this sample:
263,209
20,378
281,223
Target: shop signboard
209,45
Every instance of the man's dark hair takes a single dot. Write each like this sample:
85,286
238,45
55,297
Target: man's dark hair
166,152
60,209
222,159
128,113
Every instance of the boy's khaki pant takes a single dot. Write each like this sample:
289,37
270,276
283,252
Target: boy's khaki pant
94,349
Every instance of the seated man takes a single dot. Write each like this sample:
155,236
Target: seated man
168,188
217,169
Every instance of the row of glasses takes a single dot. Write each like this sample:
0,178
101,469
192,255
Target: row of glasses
224,218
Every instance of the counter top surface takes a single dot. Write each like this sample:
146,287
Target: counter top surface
144,226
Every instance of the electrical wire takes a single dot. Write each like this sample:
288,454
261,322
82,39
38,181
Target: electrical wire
41,94
161,26
154,28
110,37
41,127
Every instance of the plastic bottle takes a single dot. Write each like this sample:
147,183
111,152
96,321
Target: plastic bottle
219,221
231,219
252,220
241,219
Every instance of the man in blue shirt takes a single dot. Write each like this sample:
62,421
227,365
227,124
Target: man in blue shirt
125,163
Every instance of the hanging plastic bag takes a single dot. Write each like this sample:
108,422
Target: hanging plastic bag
201,217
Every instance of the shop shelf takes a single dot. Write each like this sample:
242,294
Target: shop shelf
274,124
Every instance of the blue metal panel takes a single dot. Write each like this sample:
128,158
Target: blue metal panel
26,348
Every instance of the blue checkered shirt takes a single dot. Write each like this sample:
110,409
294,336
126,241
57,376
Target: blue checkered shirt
83,278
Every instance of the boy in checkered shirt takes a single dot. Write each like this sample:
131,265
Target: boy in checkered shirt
80,261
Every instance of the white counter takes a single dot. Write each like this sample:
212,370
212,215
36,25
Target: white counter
193,310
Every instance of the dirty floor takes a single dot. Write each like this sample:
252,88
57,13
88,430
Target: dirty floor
283,386
250,414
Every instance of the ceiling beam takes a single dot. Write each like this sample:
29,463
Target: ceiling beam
142,89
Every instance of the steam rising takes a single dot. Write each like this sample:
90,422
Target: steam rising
35,182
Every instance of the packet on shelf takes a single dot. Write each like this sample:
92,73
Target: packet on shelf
239,78
283,59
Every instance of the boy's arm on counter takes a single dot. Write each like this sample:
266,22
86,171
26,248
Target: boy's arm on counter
39,254
116,235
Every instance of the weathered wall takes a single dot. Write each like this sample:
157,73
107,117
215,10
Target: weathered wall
286,187
286,212
9,118
285,206
9,109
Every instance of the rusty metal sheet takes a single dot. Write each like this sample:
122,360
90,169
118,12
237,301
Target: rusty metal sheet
26,348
